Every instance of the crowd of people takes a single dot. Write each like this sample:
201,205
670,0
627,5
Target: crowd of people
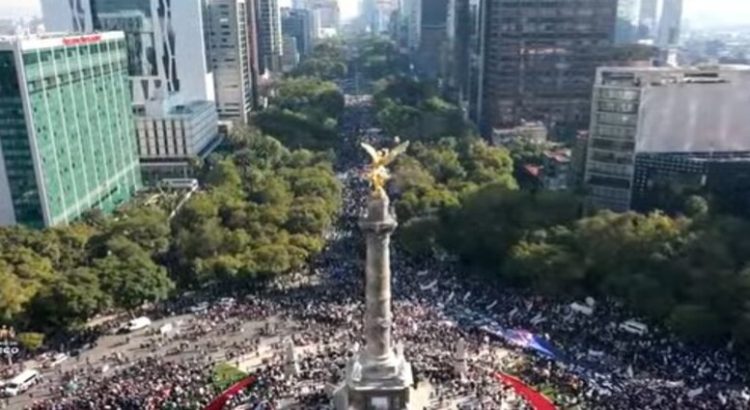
323,321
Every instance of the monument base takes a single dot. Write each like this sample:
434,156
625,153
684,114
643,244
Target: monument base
375,387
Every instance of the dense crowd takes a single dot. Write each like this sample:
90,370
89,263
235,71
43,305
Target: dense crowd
323,321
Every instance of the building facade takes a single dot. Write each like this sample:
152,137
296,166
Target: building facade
641,113
413,16
251,25
68,16
628,21
434,46
66,141
670,23
648,22
297,23
459,62
167,54
270,43
168,62
230,59
291,57
327,11
538,61
167,143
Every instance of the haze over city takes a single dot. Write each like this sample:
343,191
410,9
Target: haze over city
698,13
30,8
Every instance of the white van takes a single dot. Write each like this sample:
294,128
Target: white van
21,383
139,323
634,327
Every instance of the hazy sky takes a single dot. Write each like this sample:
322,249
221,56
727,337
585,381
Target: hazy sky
22,8
698,12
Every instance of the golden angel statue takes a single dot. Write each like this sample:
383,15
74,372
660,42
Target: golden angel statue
377,173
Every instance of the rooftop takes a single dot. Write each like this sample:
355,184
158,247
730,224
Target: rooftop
696,116
50,40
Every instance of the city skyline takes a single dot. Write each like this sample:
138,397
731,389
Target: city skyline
31,8
698,13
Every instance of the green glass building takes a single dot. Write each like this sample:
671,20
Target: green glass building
66,128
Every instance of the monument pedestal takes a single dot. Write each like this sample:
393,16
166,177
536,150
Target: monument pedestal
375,386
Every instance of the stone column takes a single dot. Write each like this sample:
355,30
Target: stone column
378,224
377,377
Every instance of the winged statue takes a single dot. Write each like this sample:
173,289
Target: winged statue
377,173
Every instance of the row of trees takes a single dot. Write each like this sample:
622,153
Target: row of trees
262,213
304,112
54,278
327,61
379,57
414,109
691,274
688,272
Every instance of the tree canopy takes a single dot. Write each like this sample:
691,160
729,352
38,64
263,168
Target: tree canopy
262,212
304,113
413,109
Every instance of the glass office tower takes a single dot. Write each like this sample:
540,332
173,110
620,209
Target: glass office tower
66,129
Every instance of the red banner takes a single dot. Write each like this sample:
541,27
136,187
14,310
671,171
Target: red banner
537,400
76,41
219,402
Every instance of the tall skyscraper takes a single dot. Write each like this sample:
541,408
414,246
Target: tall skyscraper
670,22
459,57
229,53
297,23
376,14
433,39
66,145
628,21
251,24
269,35
648,19
413,16
539,60
171,80
330,13
166,42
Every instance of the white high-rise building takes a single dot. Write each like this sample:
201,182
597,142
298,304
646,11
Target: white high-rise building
166,43
170,76
229,54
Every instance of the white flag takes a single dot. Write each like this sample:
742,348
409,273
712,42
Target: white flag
695,392
429,285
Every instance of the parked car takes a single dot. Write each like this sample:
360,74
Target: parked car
199,308
22,382
135,325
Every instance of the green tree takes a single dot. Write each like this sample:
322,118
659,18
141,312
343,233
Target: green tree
31,341
69,302
129,275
